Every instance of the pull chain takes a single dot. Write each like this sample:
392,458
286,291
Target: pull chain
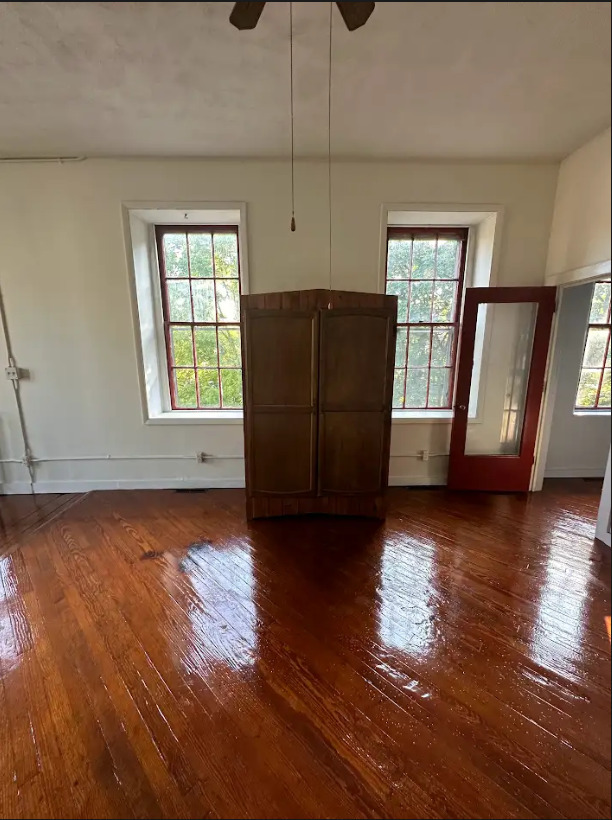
292,117
329,113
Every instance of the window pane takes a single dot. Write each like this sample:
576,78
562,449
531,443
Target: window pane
442,346
444,301
231,388
423,258
203,300
418,347
604,396
400,347
600,303
595,347
229,347
438,387
200,254
206,346
185,388
209,388
398,389
420,301
179,300
446,263
609,352
416,388
182,346
587,388
175,254
226,254
398,258
399,289
228,301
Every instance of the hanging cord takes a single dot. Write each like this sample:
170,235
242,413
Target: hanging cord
329,114
292,117
27,452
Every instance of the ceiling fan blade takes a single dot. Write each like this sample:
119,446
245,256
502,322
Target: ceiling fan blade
245,15
355,14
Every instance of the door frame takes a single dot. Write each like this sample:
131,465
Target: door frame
519,474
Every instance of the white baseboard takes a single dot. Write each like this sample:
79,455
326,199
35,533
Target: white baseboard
436,480
84,486
574,472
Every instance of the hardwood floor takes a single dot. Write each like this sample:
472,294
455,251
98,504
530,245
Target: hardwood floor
160,657
21,514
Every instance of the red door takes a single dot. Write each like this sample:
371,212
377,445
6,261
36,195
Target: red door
500,380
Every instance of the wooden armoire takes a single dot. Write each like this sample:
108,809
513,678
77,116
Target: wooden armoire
318,384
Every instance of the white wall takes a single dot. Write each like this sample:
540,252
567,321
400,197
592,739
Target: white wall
578,444
64,275
580,236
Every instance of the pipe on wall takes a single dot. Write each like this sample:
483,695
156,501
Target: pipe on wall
27,459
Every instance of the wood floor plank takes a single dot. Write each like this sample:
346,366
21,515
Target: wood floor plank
254,722
160,657
552,776
447,770
105,772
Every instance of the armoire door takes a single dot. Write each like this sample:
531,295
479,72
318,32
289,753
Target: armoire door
356,353
281,365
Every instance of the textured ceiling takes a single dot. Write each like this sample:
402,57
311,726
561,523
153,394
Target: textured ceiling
440,80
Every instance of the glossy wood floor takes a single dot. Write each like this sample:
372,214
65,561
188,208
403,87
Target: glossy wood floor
161,658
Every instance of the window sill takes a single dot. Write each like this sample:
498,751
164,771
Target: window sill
604,411
195,417
420,416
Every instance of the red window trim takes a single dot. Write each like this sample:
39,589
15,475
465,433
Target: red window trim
428,232
160,232
602,370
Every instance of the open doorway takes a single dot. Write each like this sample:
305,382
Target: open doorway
580,408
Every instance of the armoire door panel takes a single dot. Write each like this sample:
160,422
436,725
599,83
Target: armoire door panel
351,452
282,358
354,345
283,456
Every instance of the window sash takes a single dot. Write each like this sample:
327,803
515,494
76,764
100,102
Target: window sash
605,326
160,232
426,232
602,371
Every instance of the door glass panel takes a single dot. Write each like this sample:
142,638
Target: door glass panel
500,378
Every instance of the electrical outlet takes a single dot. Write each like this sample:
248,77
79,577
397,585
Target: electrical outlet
201,458
424,455
12,373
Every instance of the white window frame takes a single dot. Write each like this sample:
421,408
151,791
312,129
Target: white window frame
484,222
140,219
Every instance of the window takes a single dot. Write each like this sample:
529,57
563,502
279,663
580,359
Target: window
425,270
200,283
594,384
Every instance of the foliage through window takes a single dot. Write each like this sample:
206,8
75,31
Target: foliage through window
200,273
425,270
594,383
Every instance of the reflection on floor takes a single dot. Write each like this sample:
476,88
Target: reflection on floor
160,657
